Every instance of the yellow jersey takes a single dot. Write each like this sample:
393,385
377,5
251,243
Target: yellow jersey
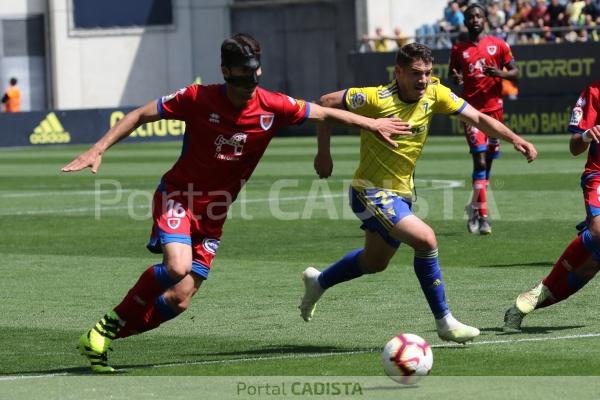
382,166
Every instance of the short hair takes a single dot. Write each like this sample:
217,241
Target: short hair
473,6
239,47
412,52
13,81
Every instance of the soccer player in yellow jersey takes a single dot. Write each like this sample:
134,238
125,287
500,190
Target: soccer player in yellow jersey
381,190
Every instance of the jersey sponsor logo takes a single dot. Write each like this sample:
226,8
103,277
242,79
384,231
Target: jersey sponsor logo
357,100
49,131
210,245
492,50
236,141
576,116
171,96
266,121
214,118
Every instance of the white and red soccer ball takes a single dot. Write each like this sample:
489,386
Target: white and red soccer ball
407,358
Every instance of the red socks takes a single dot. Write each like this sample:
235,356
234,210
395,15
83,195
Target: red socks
480,196
151,284
561,281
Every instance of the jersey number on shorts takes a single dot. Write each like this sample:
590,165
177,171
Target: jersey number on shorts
175,212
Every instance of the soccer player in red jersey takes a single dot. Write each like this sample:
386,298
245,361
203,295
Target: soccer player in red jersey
581,259
479,64
228,127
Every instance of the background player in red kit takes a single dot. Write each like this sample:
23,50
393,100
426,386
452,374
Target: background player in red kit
479,64
581,259
228,127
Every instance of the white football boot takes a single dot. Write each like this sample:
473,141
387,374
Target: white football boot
312,293
450,330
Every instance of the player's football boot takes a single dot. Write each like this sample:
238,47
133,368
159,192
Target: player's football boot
472,219
526,302
484,226
512,320
98,360
450,330
312,293
103,333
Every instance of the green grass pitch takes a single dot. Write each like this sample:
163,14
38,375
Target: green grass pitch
62,267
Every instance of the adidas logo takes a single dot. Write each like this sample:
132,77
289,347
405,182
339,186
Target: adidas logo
49,131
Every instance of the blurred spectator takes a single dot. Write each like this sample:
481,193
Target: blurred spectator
583,36
496,17
573,12
453,18
365,45
12,97
380,41
555,14
591,14
400,38
520,17
536,15
509,9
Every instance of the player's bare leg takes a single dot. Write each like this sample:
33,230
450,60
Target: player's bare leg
374,257
417,234
177,263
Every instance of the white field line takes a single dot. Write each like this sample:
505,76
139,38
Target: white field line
440,184
59,193
308,355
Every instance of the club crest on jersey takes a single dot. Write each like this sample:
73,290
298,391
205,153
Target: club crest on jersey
492,50
210,245
266,121
173,223
172,95
576,116
357,100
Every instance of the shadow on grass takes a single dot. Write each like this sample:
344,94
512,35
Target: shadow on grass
531,264
533,329
265,353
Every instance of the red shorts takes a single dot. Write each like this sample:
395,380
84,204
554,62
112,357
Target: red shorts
479,141
196,221
591,194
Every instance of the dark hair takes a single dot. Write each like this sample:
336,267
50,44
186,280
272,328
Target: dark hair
473,6
412,52
13,81
240,50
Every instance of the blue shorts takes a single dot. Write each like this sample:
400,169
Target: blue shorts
379,210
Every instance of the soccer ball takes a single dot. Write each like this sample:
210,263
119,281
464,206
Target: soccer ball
407,358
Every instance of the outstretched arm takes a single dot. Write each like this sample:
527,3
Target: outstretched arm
385,128
93,156
494,128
